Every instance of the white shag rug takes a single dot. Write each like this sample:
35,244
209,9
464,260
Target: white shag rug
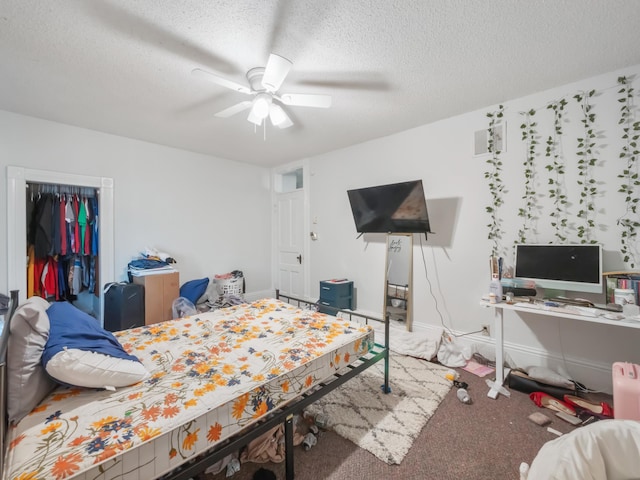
386,424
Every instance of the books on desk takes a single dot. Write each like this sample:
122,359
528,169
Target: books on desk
622,279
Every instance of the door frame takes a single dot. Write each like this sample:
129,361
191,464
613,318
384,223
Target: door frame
276,173
17,179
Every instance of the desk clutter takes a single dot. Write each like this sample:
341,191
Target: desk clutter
526,299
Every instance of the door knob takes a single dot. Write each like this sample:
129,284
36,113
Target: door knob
299,257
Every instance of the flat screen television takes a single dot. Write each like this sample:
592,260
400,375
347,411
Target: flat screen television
394,208
576,268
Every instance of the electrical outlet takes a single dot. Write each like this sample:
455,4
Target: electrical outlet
485,331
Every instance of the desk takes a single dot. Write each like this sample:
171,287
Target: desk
499,309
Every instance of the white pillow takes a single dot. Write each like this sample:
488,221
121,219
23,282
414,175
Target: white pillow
94,370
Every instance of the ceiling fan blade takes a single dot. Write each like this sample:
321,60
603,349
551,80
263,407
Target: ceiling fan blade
237,108
306,100
197,72
279,117
275,72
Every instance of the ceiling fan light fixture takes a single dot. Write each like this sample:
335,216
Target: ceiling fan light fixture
254,118
278,117
261,105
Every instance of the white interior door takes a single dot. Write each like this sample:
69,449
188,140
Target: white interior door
290,228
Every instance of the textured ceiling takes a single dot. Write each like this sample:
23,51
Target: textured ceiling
124,67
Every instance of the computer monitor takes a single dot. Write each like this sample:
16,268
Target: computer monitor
573,267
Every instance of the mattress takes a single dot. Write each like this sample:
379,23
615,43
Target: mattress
212,375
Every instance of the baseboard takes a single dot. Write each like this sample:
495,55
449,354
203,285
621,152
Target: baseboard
594,375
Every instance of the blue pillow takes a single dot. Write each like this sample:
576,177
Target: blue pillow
73,328
194,289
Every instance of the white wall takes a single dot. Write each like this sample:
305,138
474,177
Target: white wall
456,256
212,215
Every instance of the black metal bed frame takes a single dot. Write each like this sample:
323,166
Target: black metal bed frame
283,415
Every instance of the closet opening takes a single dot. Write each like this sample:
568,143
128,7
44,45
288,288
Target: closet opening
63,244
21,182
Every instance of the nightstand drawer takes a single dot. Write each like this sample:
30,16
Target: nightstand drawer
332,291
337,294
339,303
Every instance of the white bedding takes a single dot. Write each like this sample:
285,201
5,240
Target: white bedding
605,450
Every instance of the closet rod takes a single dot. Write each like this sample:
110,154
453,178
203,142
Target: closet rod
42,188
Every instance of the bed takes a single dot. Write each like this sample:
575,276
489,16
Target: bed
217,381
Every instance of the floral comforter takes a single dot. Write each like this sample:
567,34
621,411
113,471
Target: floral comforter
211,375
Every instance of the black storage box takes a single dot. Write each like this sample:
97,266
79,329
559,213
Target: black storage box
123,306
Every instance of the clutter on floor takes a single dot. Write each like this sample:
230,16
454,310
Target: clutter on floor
202,295
414,344
224,290
451,353
270,446
462,393
539,419
182,307
194,289
264,474
519,380
478,369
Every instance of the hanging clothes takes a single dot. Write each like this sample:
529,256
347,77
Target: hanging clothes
44,215
76,231
88,229
63,225
82,222
70,219
30,271
62,241
55,226
94,237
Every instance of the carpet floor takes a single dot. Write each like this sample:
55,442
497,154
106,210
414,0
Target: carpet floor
486,440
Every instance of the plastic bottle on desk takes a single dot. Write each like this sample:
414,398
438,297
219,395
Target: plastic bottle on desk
495,288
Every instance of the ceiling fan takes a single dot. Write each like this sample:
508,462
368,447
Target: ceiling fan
264,83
